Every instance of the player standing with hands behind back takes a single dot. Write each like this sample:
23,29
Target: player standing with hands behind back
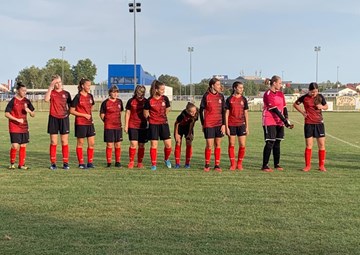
60,101
156,109
81,107
212,116
110,114
274,117
16,111
237,124
314,103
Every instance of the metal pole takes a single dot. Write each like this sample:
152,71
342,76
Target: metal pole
191,91
317,49
134,44
62,49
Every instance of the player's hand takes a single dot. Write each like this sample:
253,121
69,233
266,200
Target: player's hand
228,131
21,121
190,137
87,116
222,129
247,131
126,129
288,124
177,138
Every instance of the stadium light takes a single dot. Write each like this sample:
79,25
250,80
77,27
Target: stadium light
62,49
317,50
134,7
191,50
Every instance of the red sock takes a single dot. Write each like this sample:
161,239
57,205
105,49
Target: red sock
241,154
231,152
177,154
141,153
79,154
308,154
217,156
117,154
207,156
132,152
188,154
322,156
12,155
108,154
153,156
65,153
53,153
22,156
90,154
167,152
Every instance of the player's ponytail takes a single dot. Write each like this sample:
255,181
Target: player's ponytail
155,85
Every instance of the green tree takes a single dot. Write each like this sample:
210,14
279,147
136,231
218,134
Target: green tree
84,69
288,90
173,82
55,66
201,87
30,76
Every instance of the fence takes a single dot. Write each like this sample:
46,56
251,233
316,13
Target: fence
343,103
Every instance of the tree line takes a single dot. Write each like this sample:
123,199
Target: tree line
40,78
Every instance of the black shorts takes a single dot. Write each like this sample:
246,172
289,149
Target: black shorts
113,135
272,133
213,132
82,131
237,130
20,138
157,131
184,130
56,125
140,135
314,130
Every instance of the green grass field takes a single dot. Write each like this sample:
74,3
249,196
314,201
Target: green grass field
122,211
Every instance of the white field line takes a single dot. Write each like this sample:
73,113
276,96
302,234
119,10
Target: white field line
334,137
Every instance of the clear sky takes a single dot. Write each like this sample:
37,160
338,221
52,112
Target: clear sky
230,37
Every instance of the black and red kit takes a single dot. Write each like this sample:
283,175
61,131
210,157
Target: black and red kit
16,107
237,107
212,110
112,111
157,109
83,104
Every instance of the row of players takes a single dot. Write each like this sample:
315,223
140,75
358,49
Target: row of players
146,119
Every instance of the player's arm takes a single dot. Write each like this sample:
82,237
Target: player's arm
297,106
127,118
48,92
246,114
202,108
281,116
10,117
29,108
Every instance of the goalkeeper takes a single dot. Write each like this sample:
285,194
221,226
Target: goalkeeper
274,118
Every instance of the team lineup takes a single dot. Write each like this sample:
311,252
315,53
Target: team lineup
146,120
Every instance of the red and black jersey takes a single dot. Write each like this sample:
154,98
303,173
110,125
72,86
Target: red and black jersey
112,111
60,103
185,119
214,107
136,107
16,107
83,104
313,114
157,109
237,107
